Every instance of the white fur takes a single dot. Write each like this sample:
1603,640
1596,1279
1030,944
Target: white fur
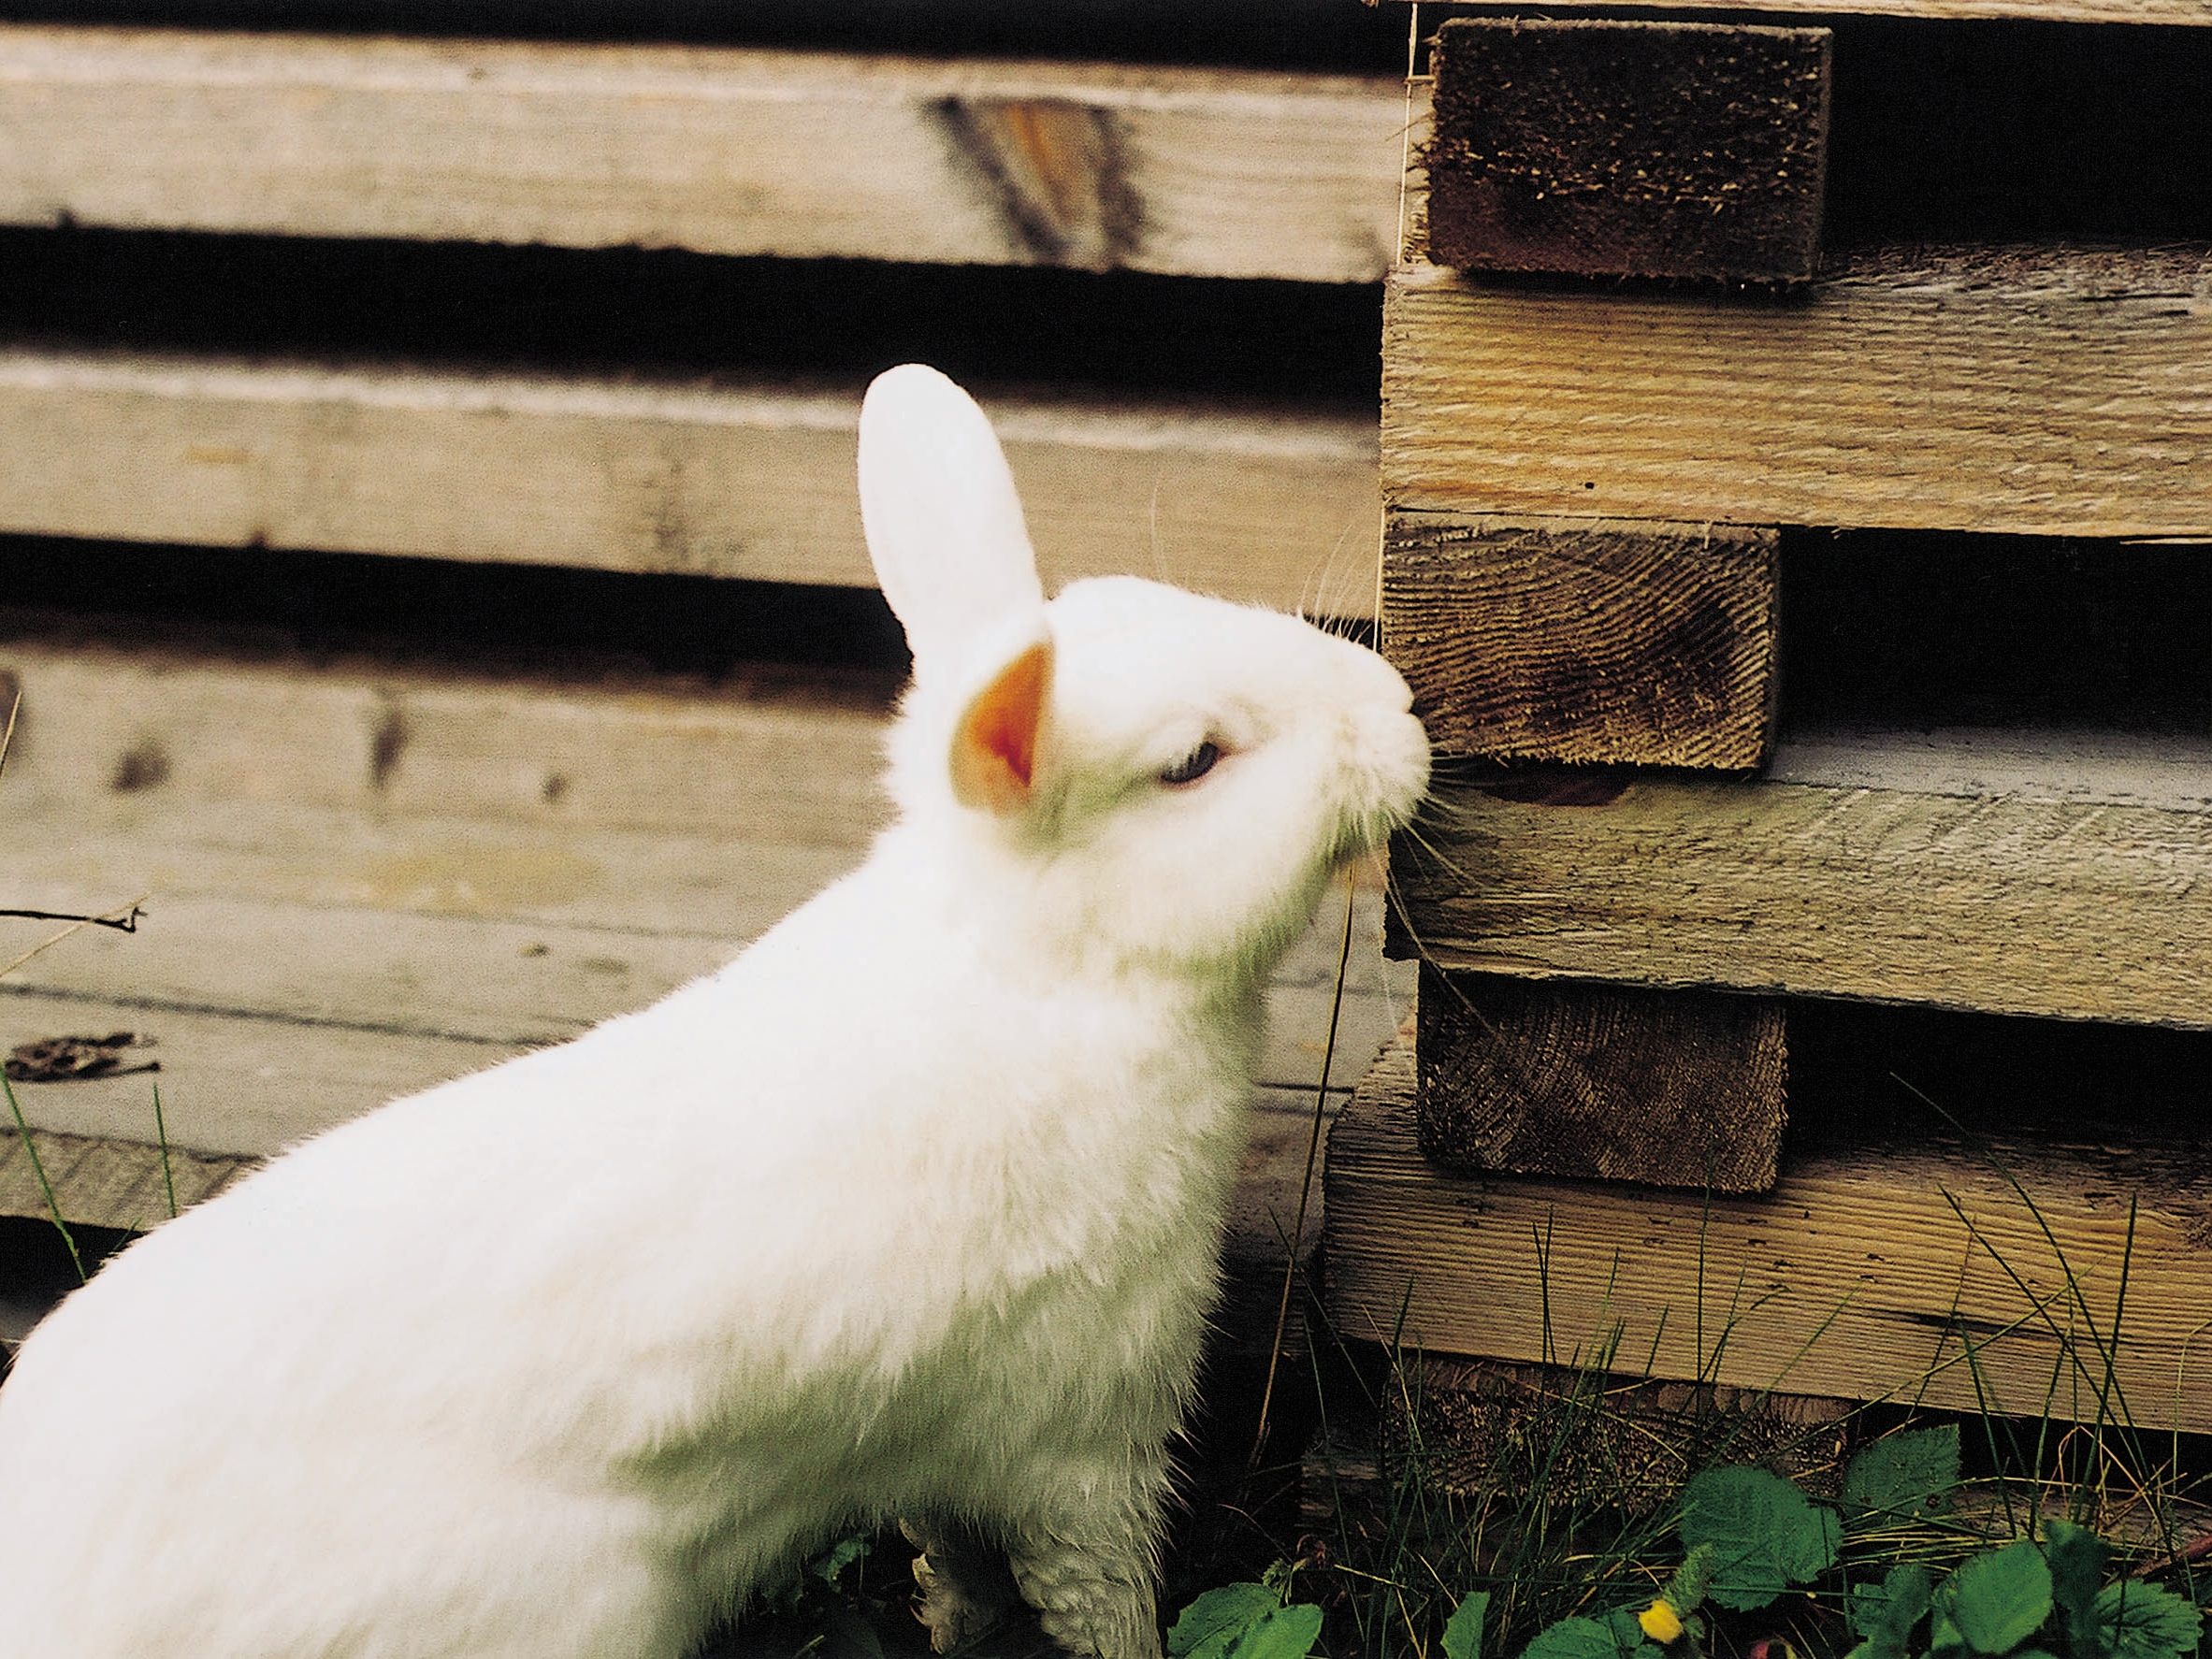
912,1208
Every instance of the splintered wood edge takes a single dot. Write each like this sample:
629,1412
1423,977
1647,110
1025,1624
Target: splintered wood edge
1586,641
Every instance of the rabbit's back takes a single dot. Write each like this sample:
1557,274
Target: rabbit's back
555,1358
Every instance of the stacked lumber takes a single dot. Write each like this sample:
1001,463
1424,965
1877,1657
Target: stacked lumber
372,855
1792,598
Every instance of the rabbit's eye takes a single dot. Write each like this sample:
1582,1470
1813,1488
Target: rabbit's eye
1193,765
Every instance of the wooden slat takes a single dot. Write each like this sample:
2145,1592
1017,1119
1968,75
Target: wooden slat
1860,1277
788,759
2068,877
799,155
327,929
106,1183
1671,1089
2049,12
1629,149
1582,641
2037,392
755,480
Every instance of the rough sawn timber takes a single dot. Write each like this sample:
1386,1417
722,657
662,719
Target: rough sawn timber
2065,876
1618,149
1571,640
1864,1275
700,477
2030,391
1671,1088
2049,12
799,155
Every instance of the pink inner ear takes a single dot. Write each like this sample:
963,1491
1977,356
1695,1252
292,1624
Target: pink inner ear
994,752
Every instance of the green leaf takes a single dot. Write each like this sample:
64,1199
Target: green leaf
1693,1580
837,1557
2139,1621
1766,1534
1886,1613
2001,1599
1463,1632
1283,1633
1210,1626
1589,1638
1902,1474
2076,1556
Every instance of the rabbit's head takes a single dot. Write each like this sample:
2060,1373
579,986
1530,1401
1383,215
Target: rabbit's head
1129,768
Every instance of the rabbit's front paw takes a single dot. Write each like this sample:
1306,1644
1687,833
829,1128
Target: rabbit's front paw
964,1584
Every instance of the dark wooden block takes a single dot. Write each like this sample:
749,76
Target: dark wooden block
1630,149
1648,644
1669,1087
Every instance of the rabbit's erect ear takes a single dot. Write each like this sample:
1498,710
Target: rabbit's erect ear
994,748
943,525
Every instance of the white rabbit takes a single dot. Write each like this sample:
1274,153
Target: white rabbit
911,1209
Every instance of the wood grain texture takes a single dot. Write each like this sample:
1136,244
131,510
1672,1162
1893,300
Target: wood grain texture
337,914
1599,1441
2049,11
2068,877
697,477
107,1183
1671,1089
2026,391
776,756
1617,149
1584,641
795,154
1862,1276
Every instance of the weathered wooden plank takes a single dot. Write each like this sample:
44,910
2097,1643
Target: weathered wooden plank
2049,12
1671,1088
773,755
2020,873
697,477
1584,641
2034,392
799,155
1620,149
298,964
123,1184
1864,1275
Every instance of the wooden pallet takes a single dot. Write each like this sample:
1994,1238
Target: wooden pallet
1972,1275
1592,493
1698,792
697,476
373,868
800,155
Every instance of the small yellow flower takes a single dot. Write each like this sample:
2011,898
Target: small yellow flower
1661,1623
